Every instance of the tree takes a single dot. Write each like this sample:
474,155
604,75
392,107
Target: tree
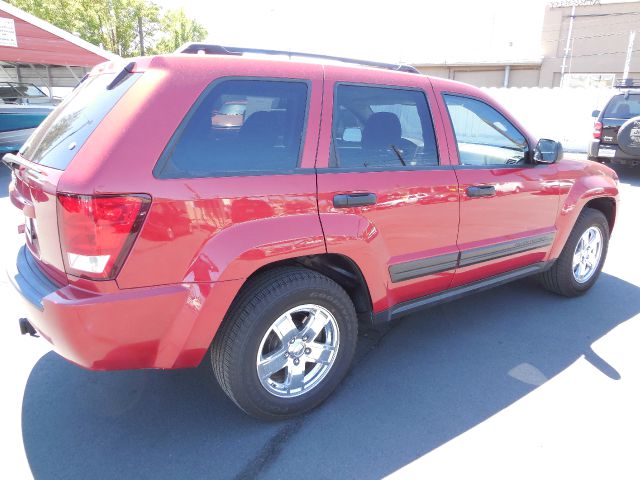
113,24
178,29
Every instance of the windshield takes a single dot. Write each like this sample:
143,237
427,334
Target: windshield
18,90
28,90
623,108
57,139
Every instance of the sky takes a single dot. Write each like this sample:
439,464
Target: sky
412,31
418,31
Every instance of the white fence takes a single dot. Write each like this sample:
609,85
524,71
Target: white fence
562,114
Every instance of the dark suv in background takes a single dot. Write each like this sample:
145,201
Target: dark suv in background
616,132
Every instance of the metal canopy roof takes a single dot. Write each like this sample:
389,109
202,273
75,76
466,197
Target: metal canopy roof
25,39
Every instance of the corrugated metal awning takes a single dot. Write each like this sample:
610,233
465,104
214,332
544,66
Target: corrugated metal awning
29,40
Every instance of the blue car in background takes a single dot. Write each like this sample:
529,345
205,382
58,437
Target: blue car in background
23,106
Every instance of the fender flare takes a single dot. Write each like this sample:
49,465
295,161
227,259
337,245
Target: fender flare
581,193
238,251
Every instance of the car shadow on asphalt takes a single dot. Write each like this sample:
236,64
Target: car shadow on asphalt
429,378
628,175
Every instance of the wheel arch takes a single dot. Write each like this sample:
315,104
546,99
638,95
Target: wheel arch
597,191
340,268
606,205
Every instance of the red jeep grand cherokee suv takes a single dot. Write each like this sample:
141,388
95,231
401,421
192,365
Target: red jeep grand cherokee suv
156,236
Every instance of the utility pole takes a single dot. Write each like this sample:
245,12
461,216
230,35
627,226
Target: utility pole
627,62
567,45
140,35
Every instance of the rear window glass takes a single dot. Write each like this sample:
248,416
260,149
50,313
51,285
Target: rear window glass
239,127
623,108
59,137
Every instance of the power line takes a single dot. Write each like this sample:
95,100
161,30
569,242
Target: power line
596,54
583,26
585,37
613,14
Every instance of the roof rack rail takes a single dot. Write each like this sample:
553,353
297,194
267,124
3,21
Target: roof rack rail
627,83
221,50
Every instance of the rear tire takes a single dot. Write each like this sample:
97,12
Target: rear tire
580,262
286,343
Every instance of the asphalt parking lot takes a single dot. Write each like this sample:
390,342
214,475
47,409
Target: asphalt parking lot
510,383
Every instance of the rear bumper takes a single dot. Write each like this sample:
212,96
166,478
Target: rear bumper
135,328
619,157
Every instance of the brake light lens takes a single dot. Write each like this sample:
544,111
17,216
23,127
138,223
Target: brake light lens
97,232
597,129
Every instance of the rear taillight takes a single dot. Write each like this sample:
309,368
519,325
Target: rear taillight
97,232
597,130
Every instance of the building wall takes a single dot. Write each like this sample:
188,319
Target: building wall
599,40
485,75
481,78
435,71
520,77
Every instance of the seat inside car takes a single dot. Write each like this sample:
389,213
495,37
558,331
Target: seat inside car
382,132
622,110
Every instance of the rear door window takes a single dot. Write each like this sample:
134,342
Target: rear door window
381,128
61,135
239,127
623,107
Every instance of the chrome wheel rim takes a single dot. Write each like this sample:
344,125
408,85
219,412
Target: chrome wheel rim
586,256
298,350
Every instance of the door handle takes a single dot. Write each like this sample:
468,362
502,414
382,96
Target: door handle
347,200
481,191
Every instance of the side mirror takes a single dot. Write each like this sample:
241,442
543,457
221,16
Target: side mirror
547,151
595,113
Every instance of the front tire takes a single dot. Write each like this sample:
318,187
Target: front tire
286,343
580,262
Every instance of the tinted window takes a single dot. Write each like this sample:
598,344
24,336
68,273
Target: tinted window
239,127
379,127
7,91
59,137
623,108
484,136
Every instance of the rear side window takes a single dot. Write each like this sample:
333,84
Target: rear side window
381,127
623,108
59,137
239,127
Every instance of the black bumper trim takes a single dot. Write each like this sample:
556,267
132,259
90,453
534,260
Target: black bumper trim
450,261
415,305
29,280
